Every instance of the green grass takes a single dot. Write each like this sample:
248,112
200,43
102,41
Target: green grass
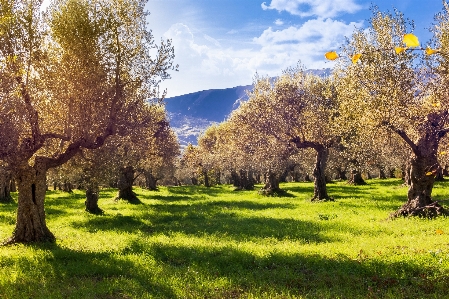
194,242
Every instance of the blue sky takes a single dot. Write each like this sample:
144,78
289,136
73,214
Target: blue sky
223,43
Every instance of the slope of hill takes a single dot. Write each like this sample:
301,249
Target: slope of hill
192,113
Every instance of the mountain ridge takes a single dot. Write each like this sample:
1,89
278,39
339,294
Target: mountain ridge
192,113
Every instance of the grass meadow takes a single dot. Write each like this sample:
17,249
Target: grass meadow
196,242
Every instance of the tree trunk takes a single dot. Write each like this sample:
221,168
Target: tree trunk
382,174
445,171
356,178
406,174
218,177
92,195
307,178
391,172
235,178
67,187
319,176
341,174
5,186
206,178
12,185
150,181
271,184
439,174
30,224
422,177
125,185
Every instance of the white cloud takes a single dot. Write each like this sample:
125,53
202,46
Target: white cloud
307,43
309,8
204,64
279,22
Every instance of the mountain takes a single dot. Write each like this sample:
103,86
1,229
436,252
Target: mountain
192,113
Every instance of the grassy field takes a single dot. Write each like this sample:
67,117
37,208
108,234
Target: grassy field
195,242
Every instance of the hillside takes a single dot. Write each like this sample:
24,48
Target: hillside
192,113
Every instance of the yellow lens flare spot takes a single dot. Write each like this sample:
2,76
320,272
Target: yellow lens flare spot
400,50
442,153
332,55
411,40
429,173
356,58
430,51
439,232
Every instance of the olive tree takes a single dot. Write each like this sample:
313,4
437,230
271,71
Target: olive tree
69,79
394,90
292,112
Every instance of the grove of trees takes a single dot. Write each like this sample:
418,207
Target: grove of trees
79,98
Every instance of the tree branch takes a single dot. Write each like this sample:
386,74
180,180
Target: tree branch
403,135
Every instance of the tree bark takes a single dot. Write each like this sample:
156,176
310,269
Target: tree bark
243,180
5,186
218,177
391,172
67,187
125,185
423,168
150,181
271,184
235,179
30,224
356,178
439,174
92,195
341,174
382,174
206,178
421,177
319,176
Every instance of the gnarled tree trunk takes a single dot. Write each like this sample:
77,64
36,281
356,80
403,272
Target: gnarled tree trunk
125,184
30,224
271,184
150,181
92,195
320,189
423,168
235,178
421,177
356,178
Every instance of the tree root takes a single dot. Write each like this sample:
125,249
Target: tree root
430,211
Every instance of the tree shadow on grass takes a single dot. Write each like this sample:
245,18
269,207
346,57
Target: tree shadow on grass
296,274
170,198
211,219
111,223
198,190
68,273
